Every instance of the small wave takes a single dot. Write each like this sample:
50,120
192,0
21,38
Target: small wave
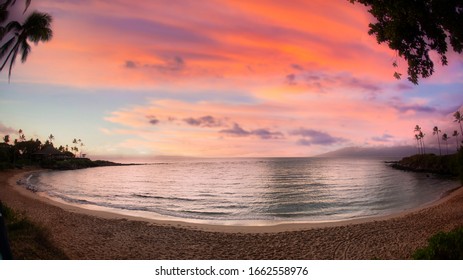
208,195
162,197
70,199
28,183
230,207
205,213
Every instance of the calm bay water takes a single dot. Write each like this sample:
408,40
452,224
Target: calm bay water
245,190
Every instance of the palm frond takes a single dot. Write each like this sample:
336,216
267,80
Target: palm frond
38,27
13,59
5,47
2,32
25,50
3,15
13,26
28,3
13,51
4,8
7,4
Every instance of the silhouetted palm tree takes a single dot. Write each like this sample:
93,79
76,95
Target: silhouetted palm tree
455,134
458,118
75,149
445,138
35,28
81,146
51,138
436,131
419,138
421,135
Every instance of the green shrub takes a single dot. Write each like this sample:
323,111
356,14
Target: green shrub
443,246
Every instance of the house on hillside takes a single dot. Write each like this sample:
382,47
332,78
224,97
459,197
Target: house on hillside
50,152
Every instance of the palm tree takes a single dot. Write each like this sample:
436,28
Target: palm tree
417,137
455,134
20,132
81,145
436,131
421,135
75,149
51,138
458,118
446,138
417,128
35,28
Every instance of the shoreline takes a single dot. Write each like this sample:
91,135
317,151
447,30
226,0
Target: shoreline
209,225
404,231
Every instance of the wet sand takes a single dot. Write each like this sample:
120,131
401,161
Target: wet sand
88,234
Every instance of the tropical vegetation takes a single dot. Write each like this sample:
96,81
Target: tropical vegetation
35,152
15,36
415,29
419,135
448,164
443,246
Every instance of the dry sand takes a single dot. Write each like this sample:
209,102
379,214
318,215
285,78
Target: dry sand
85,234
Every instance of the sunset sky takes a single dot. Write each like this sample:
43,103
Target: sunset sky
220,78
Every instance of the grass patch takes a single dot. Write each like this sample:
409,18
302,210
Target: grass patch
443,246
28,240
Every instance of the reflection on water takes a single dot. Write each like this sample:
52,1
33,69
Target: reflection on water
308,189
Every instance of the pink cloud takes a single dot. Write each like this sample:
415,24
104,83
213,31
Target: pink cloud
315,123
193,40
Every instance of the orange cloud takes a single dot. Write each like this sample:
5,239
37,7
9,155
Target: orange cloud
214,39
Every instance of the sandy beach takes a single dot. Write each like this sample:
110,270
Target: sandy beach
85,234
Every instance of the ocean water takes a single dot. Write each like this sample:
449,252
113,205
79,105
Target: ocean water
245,191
